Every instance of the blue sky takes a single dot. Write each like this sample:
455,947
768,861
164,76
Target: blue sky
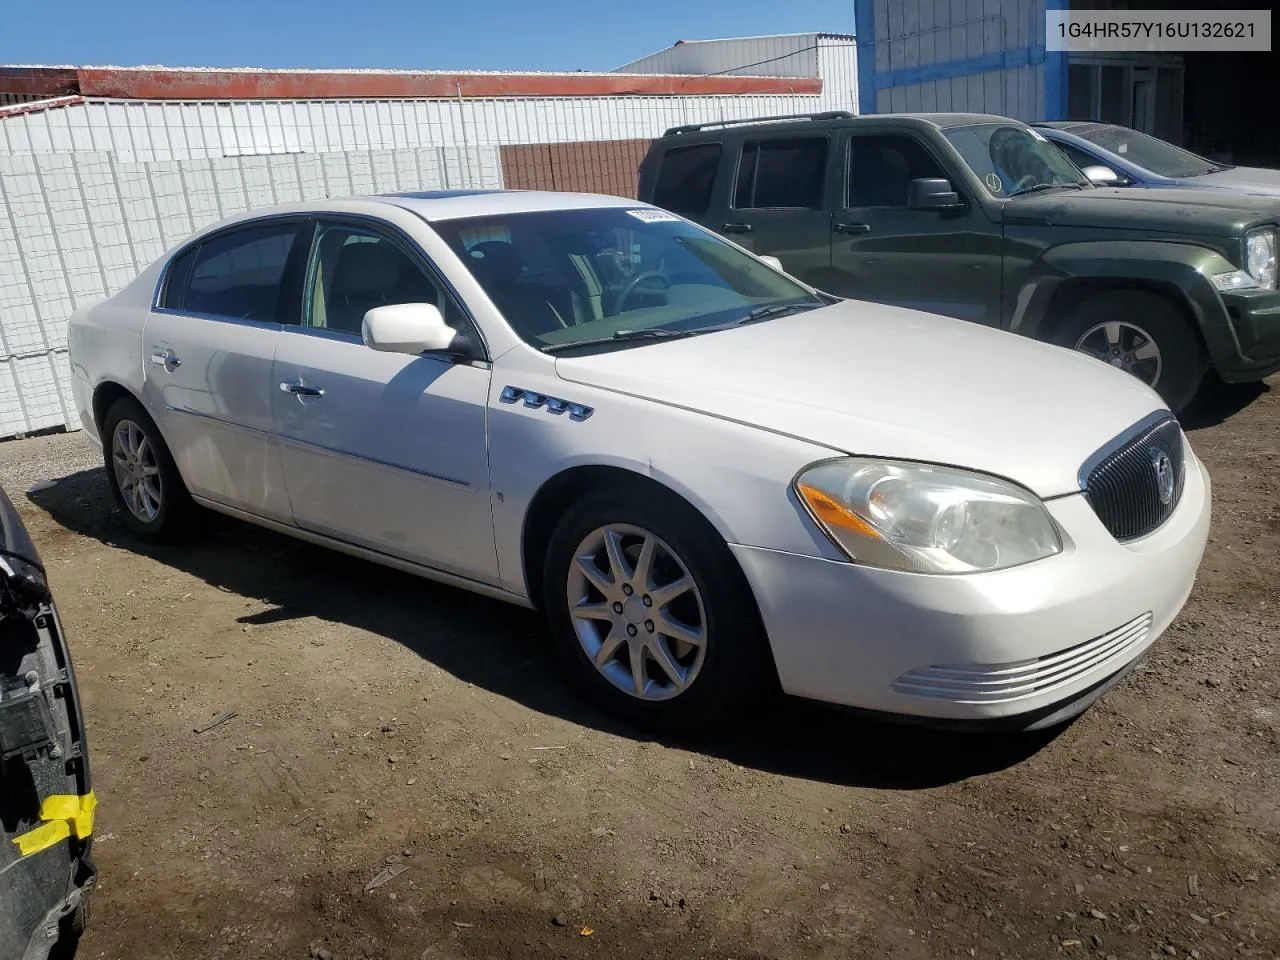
445,34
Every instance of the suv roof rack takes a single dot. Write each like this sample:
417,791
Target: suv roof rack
695,127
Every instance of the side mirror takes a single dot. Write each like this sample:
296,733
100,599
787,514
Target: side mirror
773,262
406,328
931,193
1101,176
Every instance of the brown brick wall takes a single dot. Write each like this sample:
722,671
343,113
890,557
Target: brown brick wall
598,166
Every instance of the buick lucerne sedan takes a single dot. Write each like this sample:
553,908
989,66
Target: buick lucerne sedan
712,479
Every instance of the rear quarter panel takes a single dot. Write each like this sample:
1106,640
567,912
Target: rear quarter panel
104,344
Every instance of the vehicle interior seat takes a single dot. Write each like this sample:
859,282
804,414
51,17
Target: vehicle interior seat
525,305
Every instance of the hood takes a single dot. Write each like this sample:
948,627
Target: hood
885,381
1252,180
1180,210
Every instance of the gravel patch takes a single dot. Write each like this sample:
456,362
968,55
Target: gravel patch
34,460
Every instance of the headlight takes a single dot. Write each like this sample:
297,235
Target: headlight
926,519
1260,256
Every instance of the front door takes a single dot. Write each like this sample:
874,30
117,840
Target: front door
207,353
778,202
383,450
940,261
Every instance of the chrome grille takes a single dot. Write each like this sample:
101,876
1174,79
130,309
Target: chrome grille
1123,482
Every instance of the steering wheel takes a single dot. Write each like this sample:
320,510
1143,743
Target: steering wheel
630,286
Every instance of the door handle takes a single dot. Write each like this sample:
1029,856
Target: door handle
736,227
298,390
852,228
166,359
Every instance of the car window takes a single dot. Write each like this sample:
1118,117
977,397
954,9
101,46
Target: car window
783,173
354,269
567,276
175,282
881,169
237,274
685,178
1011,159
1158,156
1076,155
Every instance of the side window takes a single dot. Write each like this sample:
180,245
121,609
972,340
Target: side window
1076,155
685,178
881,169
175,282
354,269
786,173
238,274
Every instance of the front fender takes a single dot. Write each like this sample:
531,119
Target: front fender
1181,270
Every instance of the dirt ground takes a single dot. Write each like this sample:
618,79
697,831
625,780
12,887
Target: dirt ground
385,722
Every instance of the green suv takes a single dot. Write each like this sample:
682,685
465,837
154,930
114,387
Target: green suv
981,218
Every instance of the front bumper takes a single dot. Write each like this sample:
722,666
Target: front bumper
1254,316
1038,642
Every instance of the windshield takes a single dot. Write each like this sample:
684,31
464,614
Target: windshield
1161,158
1011,159
562,277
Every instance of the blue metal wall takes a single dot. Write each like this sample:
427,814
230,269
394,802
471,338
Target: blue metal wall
980,56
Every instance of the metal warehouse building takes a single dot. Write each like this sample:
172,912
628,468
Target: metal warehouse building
102,169
989,56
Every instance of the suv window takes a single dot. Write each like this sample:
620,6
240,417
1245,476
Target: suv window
237,274
1075,154
354,269
685,178
786,173
881,170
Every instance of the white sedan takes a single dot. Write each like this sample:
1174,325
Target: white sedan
711,478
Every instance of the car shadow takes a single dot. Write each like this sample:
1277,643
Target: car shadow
487,643
1218,401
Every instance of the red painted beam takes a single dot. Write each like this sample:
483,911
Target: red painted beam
39,81
17,109
178,84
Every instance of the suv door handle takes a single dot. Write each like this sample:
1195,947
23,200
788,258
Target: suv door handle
852,228
298,390
166,359
736,227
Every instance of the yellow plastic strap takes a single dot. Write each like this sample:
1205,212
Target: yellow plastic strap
65,816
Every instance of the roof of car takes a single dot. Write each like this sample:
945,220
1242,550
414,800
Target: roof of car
942,121
454,204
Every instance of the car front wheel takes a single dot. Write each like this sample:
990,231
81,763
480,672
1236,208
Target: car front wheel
651,614
1143,334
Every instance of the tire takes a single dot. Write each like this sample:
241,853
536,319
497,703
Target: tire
165,512
731,669
1180,362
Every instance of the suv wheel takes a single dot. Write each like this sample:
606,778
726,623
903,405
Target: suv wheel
143,478
650,613
1143,334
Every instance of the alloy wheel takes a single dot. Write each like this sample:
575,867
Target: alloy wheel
1124,345
137,472
637,612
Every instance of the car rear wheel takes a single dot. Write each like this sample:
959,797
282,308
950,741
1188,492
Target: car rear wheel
650,613
1143,334
143,478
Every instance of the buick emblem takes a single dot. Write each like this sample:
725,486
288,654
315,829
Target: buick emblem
1163,468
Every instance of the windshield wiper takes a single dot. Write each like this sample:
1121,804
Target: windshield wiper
653,334
773,310
1048,186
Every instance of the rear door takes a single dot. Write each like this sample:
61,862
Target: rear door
208,344
776,199
940,261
